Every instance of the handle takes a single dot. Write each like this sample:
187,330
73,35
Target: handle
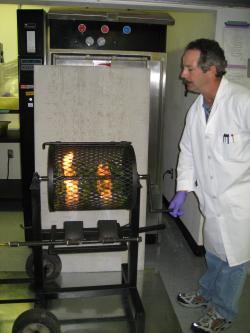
169,172
151,209
152,228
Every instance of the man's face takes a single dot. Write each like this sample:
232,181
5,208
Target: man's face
191,74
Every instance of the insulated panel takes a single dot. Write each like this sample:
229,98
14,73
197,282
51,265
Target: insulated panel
91,104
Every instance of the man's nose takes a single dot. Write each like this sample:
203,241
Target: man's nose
183,73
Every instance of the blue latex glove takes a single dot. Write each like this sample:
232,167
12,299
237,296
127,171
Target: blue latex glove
176,204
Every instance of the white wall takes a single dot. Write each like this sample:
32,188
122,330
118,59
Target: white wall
235,41
229,14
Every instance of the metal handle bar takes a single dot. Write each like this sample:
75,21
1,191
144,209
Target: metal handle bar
151,209
69,242
152,228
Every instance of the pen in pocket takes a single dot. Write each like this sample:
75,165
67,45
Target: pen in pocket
228,138
225,138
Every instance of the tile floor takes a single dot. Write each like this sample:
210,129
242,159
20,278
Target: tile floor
76,314
180,270
170,267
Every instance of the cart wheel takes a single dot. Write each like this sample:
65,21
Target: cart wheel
51,263
36,321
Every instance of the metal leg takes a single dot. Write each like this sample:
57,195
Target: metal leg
138,309
37,233
133,246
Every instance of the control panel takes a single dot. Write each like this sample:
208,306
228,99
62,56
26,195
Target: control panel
98,35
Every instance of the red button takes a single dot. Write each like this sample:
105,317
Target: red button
105,29
82,28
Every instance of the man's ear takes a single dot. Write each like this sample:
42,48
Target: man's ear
213,70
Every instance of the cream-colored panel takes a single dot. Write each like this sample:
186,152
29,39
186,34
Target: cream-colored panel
91,104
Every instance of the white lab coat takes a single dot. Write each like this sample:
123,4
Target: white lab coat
214,162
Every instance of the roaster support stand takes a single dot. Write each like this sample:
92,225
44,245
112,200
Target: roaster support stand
133,307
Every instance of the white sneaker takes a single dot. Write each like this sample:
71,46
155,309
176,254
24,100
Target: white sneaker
210,323
191,300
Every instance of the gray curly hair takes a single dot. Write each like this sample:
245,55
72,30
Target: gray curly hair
211,55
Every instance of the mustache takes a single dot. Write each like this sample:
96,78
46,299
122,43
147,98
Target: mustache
185,82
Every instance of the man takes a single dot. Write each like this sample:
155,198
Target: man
214,162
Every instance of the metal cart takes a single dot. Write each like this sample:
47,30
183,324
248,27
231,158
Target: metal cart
83,176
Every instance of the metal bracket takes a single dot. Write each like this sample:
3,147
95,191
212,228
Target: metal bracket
151,208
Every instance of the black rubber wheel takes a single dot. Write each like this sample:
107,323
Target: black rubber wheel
51,263
36,321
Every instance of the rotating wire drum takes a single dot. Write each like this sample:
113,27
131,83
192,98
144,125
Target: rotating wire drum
91,176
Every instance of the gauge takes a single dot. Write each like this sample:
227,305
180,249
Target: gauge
81,27
104,28
101,41
89,41
127,29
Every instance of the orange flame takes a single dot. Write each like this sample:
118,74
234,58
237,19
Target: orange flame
72,195
104,186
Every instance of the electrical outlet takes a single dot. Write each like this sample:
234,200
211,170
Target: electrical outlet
10,153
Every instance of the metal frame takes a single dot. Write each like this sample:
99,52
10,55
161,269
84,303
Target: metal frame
134,311
126,289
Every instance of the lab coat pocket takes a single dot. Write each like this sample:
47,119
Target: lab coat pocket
236,147
236,202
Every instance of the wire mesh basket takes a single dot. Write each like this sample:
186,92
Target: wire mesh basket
91,176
